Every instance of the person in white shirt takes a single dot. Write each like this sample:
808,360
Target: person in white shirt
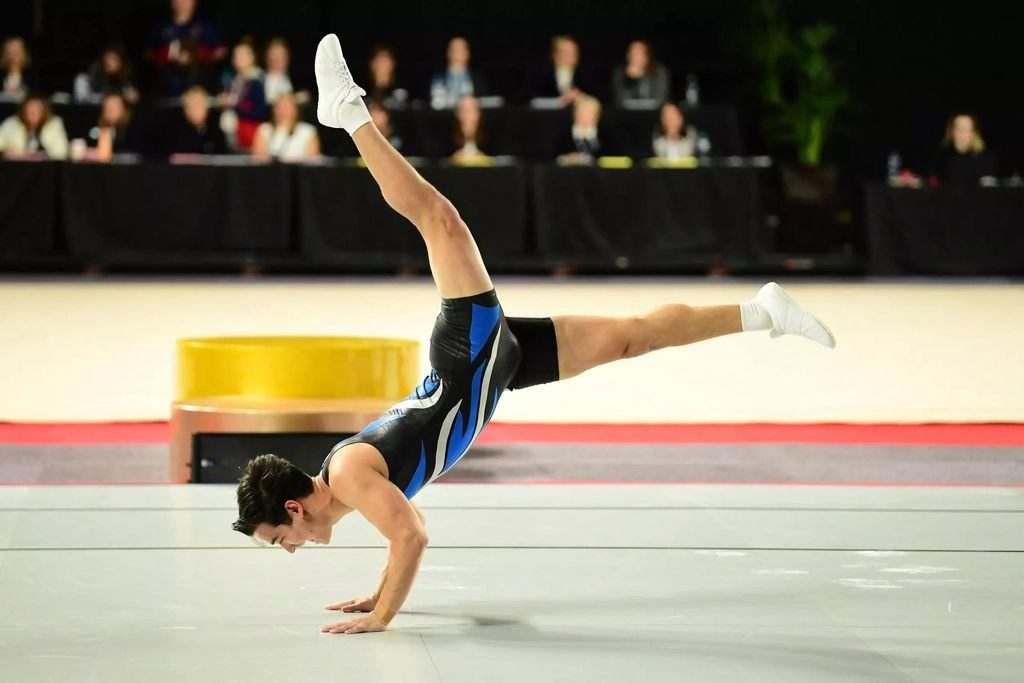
285,137
675,139
32,131
277,82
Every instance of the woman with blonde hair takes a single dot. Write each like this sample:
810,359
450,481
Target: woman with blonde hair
285,137
581,144
963,158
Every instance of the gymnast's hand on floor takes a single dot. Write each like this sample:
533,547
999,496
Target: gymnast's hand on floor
355,605
367,624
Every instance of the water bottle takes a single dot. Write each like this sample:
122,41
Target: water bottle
703,145
895,164
692,91
83,91
439,95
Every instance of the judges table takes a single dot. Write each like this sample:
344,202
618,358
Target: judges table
95,213
946,230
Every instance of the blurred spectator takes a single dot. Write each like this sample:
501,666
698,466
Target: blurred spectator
165,41
244,96
285,137
564,79
34,131
382,119
277,81
110,74
113,133
14,64
641,77
963,158
674,139
583,144
384,85
457,80
194,133
469,137
184,72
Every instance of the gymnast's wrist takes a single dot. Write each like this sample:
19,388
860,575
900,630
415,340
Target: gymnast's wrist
382,614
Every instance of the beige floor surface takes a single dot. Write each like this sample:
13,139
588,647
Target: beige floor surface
104,351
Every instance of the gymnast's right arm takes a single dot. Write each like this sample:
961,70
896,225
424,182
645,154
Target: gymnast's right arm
384,575
365,489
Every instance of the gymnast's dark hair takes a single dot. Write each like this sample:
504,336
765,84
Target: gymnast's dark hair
266,485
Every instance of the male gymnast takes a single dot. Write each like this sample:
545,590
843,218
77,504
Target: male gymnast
476,353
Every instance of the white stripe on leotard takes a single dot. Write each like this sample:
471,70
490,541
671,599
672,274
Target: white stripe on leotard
442,441
449,420
426,402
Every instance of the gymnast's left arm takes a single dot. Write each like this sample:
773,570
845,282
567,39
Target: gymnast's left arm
387,508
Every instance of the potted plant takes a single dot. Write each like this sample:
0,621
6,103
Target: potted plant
802,98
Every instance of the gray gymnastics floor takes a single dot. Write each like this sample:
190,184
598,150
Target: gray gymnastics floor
525,583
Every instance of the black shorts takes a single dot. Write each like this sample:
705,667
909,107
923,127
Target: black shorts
453,333
476,353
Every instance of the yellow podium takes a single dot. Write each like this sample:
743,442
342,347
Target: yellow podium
253,385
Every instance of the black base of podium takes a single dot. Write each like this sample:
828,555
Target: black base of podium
221,458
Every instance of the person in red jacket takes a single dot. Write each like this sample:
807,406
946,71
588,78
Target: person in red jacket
165,41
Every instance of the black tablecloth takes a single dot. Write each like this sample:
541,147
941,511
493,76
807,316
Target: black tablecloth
341,210
653,214
161,211
28,208
164,207
947,230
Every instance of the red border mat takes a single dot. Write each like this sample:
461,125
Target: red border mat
502,433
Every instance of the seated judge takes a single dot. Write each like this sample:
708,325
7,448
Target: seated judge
469,137
194,132
582,145
963,158
563,79
674,139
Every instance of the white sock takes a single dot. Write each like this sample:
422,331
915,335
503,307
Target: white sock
353,115
754,318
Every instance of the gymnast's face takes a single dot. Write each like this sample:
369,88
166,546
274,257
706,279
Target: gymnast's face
303,529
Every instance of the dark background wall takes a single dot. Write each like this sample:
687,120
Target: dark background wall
911,63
